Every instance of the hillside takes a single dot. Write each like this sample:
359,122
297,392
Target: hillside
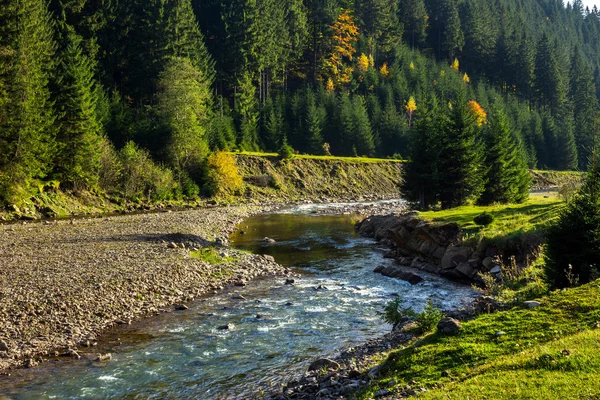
99,87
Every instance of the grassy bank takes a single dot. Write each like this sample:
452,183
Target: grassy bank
358,160
529,217
538,353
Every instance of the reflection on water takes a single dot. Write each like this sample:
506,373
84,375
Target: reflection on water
277,331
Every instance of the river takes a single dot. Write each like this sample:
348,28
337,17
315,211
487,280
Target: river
277,331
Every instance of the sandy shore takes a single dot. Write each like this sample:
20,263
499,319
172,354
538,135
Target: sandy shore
63,283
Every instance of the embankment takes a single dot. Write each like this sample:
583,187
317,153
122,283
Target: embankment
266,179
297,179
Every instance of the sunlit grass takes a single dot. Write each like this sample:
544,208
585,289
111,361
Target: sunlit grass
545,352
534,214
328,158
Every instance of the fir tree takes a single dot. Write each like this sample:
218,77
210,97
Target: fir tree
80,130
460,159
507,178
27,131
573,243
363,134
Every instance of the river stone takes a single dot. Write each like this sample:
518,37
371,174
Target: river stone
455,256
449,325
323,363
3,346
227,327
181,307
532,304
466,269
496,270
488,263
379,268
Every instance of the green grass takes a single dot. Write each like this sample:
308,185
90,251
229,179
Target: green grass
211,256
526,362
530,216
366,160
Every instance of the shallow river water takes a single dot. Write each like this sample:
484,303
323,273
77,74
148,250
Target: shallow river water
278,330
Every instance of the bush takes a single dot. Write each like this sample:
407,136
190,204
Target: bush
393,313
285,151
142,178
429,317
223,174
484,219
109,174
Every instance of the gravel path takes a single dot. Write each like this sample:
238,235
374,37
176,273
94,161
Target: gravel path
63,283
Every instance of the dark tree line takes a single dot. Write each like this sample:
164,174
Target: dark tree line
89,87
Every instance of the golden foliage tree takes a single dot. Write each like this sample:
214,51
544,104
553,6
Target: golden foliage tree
224,176
411,107
363,63
478,112
345,35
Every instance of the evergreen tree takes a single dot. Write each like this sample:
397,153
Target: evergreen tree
421,178
27,132
363,134
460,159
573,243
80,130
413,16
246,109
507,178
315,117
583,94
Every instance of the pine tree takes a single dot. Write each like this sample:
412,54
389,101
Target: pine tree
80,130
363,134
413,16
583,94
315,117
460,159
27,132
507,178
246,110
421,178
573,242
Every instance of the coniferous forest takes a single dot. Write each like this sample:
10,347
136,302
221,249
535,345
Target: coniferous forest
134,96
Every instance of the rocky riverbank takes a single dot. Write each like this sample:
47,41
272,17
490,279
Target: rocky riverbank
65,282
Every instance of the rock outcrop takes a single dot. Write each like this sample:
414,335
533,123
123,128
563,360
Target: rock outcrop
431,247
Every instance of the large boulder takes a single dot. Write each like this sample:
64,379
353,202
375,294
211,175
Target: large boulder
449,325
455,255
323,363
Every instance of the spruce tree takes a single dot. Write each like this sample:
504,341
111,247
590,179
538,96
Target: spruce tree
421,178
315,118
80,130
27,130
363,133
507,177
573,242
461,156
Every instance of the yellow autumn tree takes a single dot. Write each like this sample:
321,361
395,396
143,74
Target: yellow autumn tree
478,112
363,63
455,64
344,36
223,173
466,78
411,107
384,70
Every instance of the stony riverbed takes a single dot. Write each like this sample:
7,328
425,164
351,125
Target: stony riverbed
64,282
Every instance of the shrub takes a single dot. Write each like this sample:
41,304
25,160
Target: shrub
393,313
429,317
285,151
109,174
142,178
223,174
484,219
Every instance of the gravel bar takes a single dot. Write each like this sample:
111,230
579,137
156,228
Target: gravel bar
63,283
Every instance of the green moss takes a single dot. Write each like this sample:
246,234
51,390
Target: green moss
211,255
527,361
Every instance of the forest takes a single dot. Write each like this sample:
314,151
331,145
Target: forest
136,97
